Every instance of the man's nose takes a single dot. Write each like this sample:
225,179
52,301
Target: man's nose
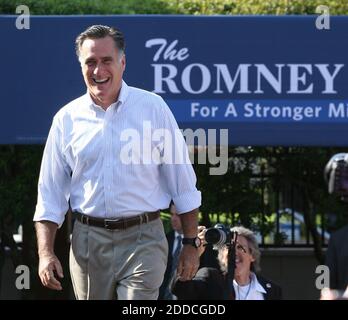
97,69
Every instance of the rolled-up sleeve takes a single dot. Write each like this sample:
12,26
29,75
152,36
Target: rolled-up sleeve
177,171
54,180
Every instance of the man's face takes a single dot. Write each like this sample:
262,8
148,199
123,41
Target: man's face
102,68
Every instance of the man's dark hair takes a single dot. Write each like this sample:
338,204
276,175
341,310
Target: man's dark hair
98,32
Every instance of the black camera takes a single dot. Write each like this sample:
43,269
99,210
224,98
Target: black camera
336,175
219,235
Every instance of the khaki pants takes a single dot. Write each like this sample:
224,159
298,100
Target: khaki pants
118,264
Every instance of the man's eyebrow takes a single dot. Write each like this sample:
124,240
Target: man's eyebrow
89,60
108,58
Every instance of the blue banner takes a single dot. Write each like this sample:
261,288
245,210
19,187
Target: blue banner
269,80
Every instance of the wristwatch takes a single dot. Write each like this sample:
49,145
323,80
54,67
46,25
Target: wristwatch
195,242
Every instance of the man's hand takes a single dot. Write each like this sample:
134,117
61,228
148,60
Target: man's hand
188,263
47,266
48,263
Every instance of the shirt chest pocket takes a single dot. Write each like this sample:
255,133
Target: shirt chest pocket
85,147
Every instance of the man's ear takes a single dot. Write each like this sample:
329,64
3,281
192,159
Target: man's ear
123,62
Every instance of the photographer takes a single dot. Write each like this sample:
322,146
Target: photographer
213,284
336,176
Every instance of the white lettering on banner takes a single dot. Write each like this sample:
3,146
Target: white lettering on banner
203,111
276,83
168,74
296,78
323,68
186,78
174,78
255,111
170,53
338,111
242,73
231,110
296,113
160,79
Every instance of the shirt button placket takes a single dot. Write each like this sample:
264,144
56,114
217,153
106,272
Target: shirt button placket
108,175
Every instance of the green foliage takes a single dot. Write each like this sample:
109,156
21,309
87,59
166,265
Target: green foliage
165,217
194,7
19,167
67,7
263,180
229,193
279,238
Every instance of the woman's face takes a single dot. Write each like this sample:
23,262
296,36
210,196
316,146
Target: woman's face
244,257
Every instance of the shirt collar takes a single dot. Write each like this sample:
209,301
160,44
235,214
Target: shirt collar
255,284
123,93
121,97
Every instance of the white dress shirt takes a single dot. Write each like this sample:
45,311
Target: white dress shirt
84,155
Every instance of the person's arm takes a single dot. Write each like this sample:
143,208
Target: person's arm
179,176
185,219
189,256
52,204
48,261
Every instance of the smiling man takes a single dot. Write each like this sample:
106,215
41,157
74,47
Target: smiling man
118,249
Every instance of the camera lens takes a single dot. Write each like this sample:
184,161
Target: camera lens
216,237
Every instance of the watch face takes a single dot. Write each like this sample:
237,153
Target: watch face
197,242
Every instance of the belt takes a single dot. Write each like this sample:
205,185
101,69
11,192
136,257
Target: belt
118,223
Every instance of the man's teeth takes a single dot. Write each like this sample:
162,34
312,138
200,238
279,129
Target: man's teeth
101,80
